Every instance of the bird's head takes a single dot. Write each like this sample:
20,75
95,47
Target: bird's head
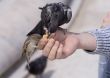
54,15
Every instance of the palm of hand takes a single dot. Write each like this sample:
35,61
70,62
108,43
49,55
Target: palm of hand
69,41
59,45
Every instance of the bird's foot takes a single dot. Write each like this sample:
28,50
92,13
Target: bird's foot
45,36
63,30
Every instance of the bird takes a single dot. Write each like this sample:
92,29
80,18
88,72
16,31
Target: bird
53,15
30,46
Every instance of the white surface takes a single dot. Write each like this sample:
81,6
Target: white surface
80,64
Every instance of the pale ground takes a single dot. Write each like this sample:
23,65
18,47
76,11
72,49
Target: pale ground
80,64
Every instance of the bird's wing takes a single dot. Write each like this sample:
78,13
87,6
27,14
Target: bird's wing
53,25
37,30
26,43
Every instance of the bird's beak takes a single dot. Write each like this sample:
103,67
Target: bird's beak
40,8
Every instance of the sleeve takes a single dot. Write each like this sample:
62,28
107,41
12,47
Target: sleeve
102,41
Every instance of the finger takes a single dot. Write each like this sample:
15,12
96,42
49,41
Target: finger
52,35
42,43
59,52
52,54
48,47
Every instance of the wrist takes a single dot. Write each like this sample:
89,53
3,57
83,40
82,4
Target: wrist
80,46
86,41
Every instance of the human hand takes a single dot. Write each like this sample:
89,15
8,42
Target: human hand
106,20
59,45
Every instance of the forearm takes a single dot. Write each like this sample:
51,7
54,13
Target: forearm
86,41
96,41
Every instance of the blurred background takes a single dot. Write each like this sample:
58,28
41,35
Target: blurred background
18,17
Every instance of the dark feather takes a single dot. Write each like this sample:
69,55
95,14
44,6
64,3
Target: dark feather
37,30
52,16
37,66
